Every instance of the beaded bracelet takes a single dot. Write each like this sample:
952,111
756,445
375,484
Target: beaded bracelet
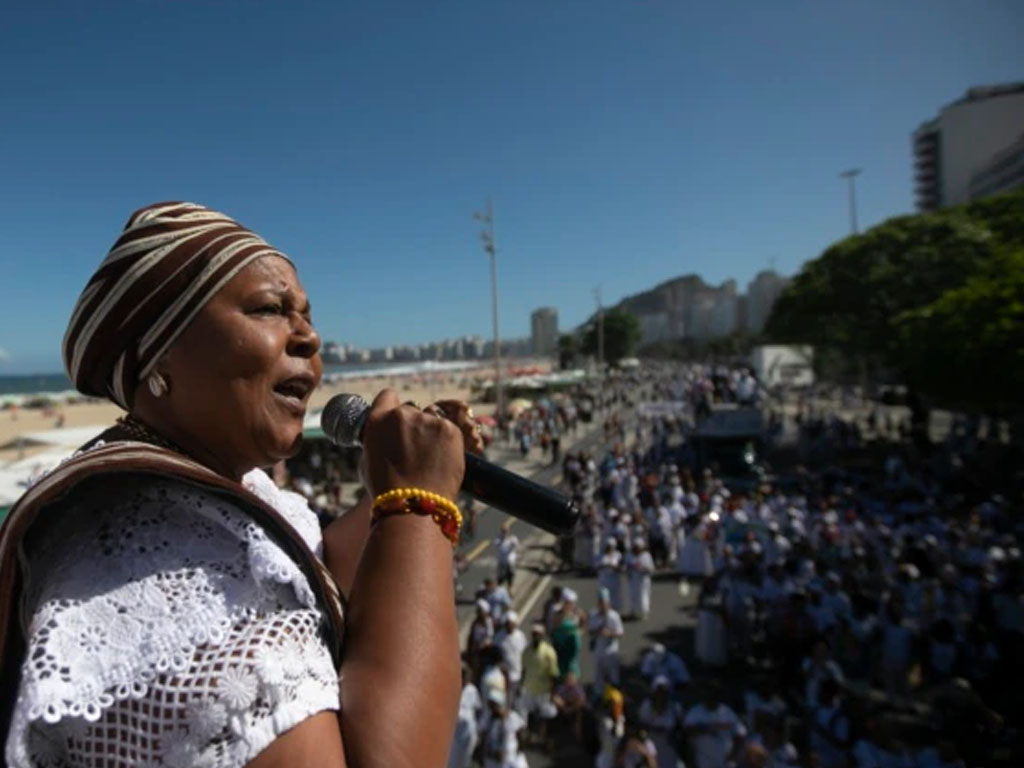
416,501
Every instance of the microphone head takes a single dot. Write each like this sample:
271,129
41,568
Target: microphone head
342,419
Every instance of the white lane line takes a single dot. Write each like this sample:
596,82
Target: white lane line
541,587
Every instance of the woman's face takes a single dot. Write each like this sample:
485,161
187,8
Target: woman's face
241,374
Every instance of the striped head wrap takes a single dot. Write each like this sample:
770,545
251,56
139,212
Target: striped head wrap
169,261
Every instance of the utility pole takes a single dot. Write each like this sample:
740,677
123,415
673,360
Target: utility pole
600,330
487,237
850,175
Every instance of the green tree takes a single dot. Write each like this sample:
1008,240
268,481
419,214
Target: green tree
621,335
568,348
965,349
935,298
849,297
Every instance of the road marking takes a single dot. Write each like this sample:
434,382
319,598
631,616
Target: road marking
542,585
475,553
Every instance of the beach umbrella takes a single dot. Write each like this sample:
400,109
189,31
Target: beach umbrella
519,405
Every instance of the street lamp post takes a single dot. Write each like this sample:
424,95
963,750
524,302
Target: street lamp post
850,175
487,236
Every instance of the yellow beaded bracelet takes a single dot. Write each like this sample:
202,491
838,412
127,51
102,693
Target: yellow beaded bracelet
416,501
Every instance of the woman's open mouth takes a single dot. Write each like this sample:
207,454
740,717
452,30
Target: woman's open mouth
293,392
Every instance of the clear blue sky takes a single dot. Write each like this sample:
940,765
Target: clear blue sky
623,142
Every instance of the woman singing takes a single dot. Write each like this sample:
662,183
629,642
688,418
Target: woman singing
162,603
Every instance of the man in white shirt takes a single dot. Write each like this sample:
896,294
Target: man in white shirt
507,548
512,642
501,733
497,597
714,730
605,628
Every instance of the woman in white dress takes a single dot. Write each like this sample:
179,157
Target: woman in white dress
695,560
640,565
178,608
609,573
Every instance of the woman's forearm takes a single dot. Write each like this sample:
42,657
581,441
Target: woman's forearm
344,542
401,671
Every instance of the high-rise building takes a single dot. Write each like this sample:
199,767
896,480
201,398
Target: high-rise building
1003,172
954,149
762,293
724,319
544,331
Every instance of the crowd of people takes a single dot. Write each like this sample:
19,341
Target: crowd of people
868,618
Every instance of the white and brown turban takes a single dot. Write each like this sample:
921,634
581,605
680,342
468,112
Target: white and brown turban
169,261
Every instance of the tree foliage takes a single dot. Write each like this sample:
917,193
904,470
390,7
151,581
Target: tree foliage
568,347
967,347
621,335
877,297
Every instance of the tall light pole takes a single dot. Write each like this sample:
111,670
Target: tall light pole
487,236
600,331
850,175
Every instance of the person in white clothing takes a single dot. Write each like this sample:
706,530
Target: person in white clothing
501,733
466,735
830,727
497,597
663,719
512,642
818,667
659,661
609,573
507,547
481,633
714,730
611,727
694,560
605,628
640,566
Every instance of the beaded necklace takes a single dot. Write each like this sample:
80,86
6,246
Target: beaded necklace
141,431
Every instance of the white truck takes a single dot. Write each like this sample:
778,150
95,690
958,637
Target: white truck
783,365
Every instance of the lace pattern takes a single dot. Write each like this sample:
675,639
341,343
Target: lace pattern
167,629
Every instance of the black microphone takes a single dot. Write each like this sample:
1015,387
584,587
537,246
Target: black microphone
344,416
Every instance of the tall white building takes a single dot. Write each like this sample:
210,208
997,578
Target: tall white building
544,331
762,293
724,319
1003,172
963,141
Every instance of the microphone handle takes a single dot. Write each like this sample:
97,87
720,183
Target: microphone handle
524,499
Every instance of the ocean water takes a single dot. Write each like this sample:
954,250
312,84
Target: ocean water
34,383
41,383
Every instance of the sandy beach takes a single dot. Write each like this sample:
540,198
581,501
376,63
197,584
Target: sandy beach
417,388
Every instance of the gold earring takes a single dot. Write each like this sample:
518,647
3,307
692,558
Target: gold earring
157,384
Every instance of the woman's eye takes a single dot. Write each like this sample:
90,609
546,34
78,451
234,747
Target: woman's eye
270,309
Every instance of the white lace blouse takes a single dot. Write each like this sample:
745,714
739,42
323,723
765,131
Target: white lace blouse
166,629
